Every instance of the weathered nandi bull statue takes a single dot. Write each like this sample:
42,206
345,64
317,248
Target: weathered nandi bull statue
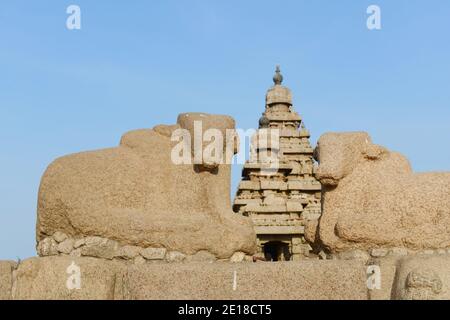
136,195
371,198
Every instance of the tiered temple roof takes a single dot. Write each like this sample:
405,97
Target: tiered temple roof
280,202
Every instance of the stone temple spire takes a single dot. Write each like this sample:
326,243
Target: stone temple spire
280,204
278,94
278,77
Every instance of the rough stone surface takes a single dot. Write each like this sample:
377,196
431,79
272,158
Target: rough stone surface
378,252
353,254
76,253
371,198
128,252
413,277
237,257
66,246
134,194
139,260
99,248
47,247
154,253
249,281
399,252
202,256
175,256
322,255
79,242
423,278
59,236
6,279
46,278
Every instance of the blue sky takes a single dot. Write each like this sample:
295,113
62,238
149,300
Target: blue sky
135,64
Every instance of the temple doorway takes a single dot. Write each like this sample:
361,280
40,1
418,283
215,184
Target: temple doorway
276,251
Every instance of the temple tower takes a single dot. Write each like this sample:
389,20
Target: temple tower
281,201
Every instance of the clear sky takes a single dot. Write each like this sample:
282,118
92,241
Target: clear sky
135,64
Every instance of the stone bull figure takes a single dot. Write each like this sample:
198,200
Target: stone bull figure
371,198
136,195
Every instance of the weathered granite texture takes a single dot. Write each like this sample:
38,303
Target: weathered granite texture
372,199
6,279
423,278
135,195
97,247
306,280
419,276
47,278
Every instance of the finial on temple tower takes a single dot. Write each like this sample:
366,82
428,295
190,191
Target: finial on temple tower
277,78
278,94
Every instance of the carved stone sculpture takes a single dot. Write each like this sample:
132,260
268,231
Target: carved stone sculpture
371,198
135,195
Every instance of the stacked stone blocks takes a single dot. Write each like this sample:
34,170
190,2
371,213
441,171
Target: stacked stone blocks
280,202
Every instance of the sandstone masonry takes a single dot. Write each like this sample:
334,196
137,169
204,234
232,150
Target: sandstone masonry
279,203
59,244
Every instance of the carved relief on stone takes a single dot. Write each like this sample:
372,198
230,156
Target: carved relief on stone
422,284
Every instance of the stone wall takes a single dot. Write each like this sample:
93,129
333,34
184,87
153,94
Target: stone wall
97,247
402,275
396,252
47,278
6,279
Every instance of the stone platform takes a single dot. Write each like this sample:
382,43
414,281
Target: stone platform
49,277
410,277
